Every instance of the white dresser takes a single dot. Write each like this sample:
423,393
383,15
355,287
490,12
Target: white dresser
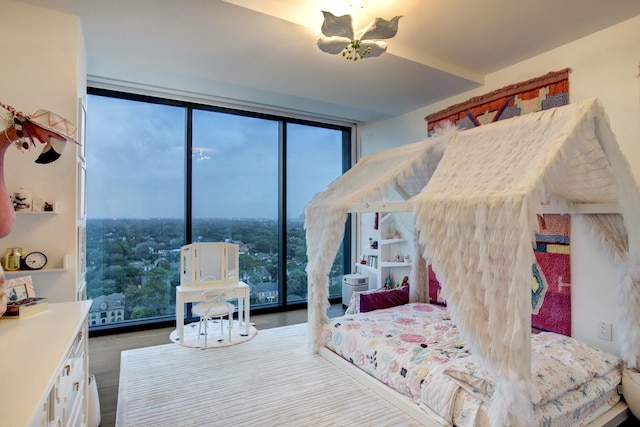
45,367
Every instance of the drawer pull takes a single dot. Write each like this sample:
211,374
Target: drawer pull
76,386
67,370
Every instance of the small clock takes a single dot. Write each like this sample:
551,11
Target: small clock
34,261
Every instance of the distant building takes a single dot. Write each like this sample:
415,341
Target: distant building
107,309
266,292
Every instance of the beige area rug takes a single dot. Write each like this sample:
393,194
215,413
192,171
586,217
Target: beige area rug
271,380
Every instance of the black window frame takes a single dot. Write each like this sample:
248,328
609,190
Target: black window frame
189,106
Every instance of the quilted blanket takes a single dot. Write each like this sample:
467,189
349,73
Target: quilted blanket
417,350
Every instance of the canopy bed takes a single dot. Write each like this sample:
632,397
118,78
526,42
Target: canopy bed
476,196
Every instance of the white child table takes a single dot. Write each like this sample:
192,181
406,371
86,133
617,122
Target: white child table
186,294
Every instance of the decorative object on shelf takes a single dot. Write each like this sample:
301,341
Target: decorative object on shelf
12,259
372,260
38,204
17,293
387,283
22,200
25,307
343,37
210,263
21,298
34,261
20,288
45,127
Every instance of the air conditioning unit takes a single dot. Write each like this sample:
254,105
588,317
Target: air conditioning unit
353,283
355,280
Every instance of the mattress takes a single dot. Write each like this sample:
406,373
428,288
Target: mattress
417,350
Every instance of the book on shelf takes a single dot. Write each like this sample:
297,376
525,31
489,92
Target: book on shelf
25,307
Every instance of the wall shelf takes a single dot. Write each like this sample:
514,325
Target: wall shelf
56,210
365,267
388,249
391,241
36,213
394,264
65,267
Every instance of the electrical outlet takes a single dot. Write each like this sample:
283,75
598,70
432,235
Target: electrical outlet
605,331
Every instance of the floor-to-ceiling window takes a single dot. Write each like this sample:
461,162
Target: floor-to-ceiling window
135,193
162,173
235,175
314,158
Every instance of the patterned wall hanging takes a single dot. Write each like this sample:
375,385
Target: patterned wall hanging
551,276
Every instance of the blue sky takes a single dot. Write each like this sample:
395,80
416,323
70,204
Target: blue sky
135,162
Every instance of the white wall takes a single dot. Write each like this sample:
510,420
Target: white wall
43,68
604,66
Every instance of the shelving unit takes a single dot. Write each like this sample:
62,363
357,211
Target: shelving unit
65,261
389,249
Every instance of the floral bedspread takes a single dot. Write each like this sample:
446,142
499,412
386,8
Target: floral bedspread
399,345
417,350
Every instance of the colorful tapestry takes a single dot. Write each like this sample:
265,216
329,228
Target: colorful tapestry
551,275
551,282
540,93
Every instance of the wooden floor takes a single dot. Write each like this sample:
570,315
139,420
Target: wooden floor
104,354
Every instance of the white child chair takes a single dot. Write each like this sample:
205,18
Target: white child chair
214,305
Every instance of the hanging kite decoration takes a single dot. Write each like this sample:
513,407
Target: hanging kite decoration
342,37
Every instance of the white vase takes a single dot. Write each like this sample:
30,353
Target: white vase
94,403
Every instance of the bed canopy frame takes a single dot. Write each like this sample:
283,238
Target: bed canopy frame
475,195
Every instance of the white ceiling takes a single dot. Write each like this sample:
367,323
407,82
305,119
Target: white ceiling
263,52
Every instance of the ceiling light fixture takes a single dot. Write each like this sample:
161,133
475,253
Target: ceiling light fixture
341,36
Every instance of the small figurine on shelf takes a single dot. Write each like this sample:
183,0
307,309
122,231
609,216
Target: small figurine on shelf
387,283
405,281
363,260
22,200
396,234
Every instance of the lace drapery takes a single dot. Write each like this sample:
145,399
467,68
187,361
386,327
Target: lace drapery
477,222
408,167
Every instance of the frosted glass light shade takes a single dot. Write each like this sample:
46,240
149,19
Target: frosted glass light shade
208,264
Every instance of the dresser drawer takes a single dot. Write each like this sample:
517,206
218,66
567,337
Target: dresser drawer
41,417
70,381
75,415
